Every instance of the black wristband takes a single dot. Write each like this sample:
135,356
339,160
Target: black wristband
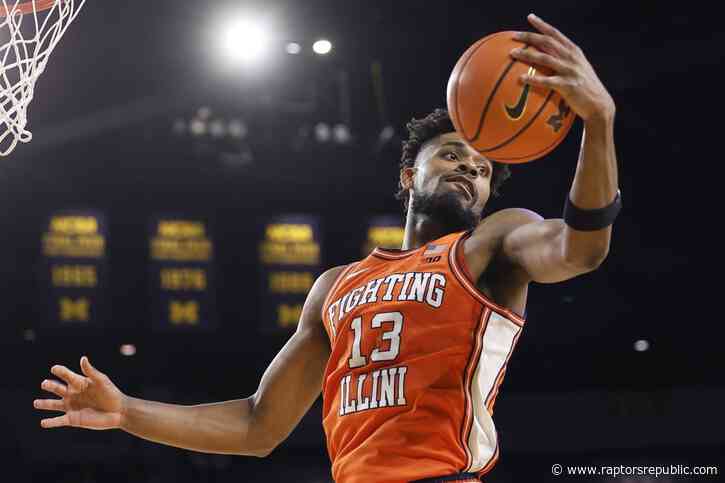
591,220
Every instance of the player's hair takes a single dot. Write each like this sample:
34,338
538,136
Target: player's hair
421,130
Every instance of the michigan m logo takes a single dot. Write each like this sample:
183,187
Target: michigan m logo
74,309
184,312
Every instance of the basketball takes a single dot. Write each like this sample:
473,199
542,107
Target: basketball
500,116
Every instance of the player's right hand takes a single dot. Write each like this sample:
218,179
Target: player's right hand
91,401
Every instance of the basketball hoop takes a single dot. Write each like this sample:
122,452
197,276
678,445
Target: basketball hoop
29,31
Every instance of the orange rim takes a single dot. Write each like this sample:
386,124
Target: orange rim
27,7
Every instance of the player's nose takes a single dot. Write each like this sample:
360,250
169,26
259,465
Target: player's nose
467,168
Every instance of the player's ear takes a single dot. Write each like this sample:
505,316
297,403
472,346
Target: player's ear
406,177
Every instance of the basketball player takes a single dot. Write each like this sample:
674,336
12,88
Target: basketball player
408,347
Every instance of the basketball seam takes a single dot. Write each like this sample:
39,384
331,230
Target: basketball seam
490,98
543,151
458,81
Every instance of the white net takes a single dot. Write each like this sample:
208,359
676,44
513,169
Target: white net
29,31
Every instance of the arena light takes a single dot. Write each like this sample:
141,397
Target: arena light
386,139
641,345
237,129
293,48
323,132
341,134
245,40
217,129
322,47
386,135
197,127
128,350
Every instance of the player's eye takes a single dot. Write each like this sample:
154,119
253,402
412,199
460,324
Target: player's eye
450,155
483,170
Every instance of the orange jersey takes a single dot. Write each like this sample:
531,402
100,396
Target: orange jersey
418,355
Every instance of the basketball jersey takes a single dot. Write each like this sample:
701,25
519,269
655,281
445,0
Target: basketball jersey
417,358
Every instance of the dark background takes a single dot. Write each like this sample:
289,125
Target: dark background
576,391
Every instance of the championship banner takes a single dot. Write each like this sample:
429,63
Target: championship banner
290,262
74,268
384,232
182,278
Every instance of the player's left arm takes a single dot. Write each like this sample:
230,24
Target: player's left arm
550,250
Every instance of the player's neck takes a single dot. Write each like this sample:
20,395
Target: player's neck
420,229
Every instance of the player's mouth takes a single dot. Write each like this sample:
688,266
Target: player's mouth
464,186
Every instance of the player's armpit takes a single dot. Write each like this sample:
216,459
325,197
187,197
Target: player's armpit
547,250
293,380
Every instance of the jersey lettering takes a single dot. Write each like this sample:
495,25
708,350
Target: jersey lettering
391,390
423,287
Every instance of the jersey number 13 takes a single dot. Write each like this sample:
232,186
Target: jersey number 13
392,335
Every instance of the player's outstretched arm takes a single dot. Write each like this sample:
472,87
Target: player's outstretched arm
250,426
550,251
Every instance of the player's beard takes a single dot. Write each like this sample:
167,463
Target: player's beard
446,210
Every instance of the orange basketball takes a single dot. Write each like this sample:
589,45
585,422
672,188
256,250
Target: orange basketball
502,118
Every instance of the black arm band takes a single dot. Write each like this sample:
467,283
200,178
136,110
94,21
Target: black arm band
591,220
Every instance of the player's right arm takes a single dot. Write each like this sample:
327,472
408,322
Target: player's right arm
251,426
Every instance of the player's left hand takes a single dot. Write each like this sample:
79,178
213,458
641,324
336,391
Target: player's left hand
573,76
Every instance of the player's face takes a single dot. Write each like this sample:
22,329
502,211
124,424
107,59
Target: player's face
449,170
